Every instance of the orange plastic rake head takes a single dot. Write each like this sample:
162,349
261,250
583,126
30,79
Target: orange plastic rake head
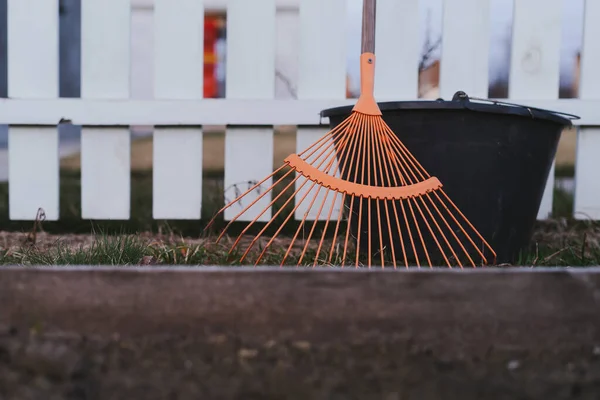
372,198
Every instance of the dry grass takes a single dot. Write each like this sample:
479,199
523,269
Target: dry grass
147,249
555,243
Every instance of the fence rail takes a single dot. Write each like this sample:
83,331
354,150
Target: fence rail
178,112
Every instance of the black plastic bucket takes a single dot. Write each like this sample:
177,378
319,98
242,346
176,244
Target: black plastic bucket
493,160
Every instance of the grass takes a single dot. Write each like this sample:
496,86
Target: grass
142,240
130,250
555,243
107,250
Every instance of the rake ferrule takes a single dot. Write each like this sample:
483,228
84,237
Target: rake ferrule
366,103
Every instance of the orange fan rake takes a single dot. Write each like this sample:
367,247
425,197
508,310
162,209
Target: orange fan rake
377,200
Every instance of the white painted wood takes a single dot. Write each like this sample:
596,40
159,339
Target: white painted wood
179,49
322,58
587,188
105,173
250,75
465,50
105,74
587,185
142,55
535,62
397,52
105,49
322,43
243,147
219,111
177,173
32,43
33,74
33,173
251,49
177,152
213,5
589,88
286,54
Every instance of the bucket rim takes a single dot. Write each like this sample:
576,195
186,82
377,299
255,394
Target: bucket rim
461,101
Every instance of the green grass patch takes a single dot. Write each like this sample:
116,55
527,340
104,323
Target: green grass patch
554,244
146,249
104,250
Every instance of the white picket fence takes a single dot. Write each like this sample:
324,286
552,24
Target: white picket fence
250,109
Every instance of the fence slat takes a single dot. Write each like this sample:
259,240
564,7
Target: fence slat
105,68
535,63
250,75
397,66
465,50
587,185
179,65
33,158
219,111
321,75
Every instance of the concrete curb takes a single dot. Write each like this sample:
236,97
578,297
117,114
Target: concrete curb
528,307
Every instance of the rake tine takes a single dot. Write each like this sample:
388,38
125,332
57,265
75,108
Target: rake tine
242,195
354,147
433,235
342,170
381,151
440,229
286,220
329,154
251,204
313,226
272,219
348,230
287,253
325,228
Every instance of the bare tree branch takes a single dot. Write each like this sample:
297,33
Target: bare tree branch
428,52
287,82
428,47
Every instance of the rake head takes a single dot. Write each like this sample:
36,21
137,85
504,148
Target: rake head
371,200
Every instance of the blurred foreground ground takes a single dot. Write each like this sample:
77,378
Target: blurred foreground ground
256,334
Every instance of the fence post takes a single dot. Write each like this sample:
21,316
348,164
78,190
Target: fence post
178,74
250,75
105,69
33,160
464,63
321,75
535,63
587,184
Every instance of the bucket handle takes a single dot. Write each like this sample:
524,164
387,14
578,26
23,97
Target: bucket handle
462,96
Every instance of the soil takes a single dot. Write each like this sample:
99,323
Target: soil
158,334
225,367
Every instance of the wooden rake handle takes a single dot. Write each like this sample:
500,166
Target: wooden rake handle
368,26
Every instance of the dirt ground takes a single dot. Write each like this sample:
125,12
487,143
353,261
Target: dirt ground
223,367
255,335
